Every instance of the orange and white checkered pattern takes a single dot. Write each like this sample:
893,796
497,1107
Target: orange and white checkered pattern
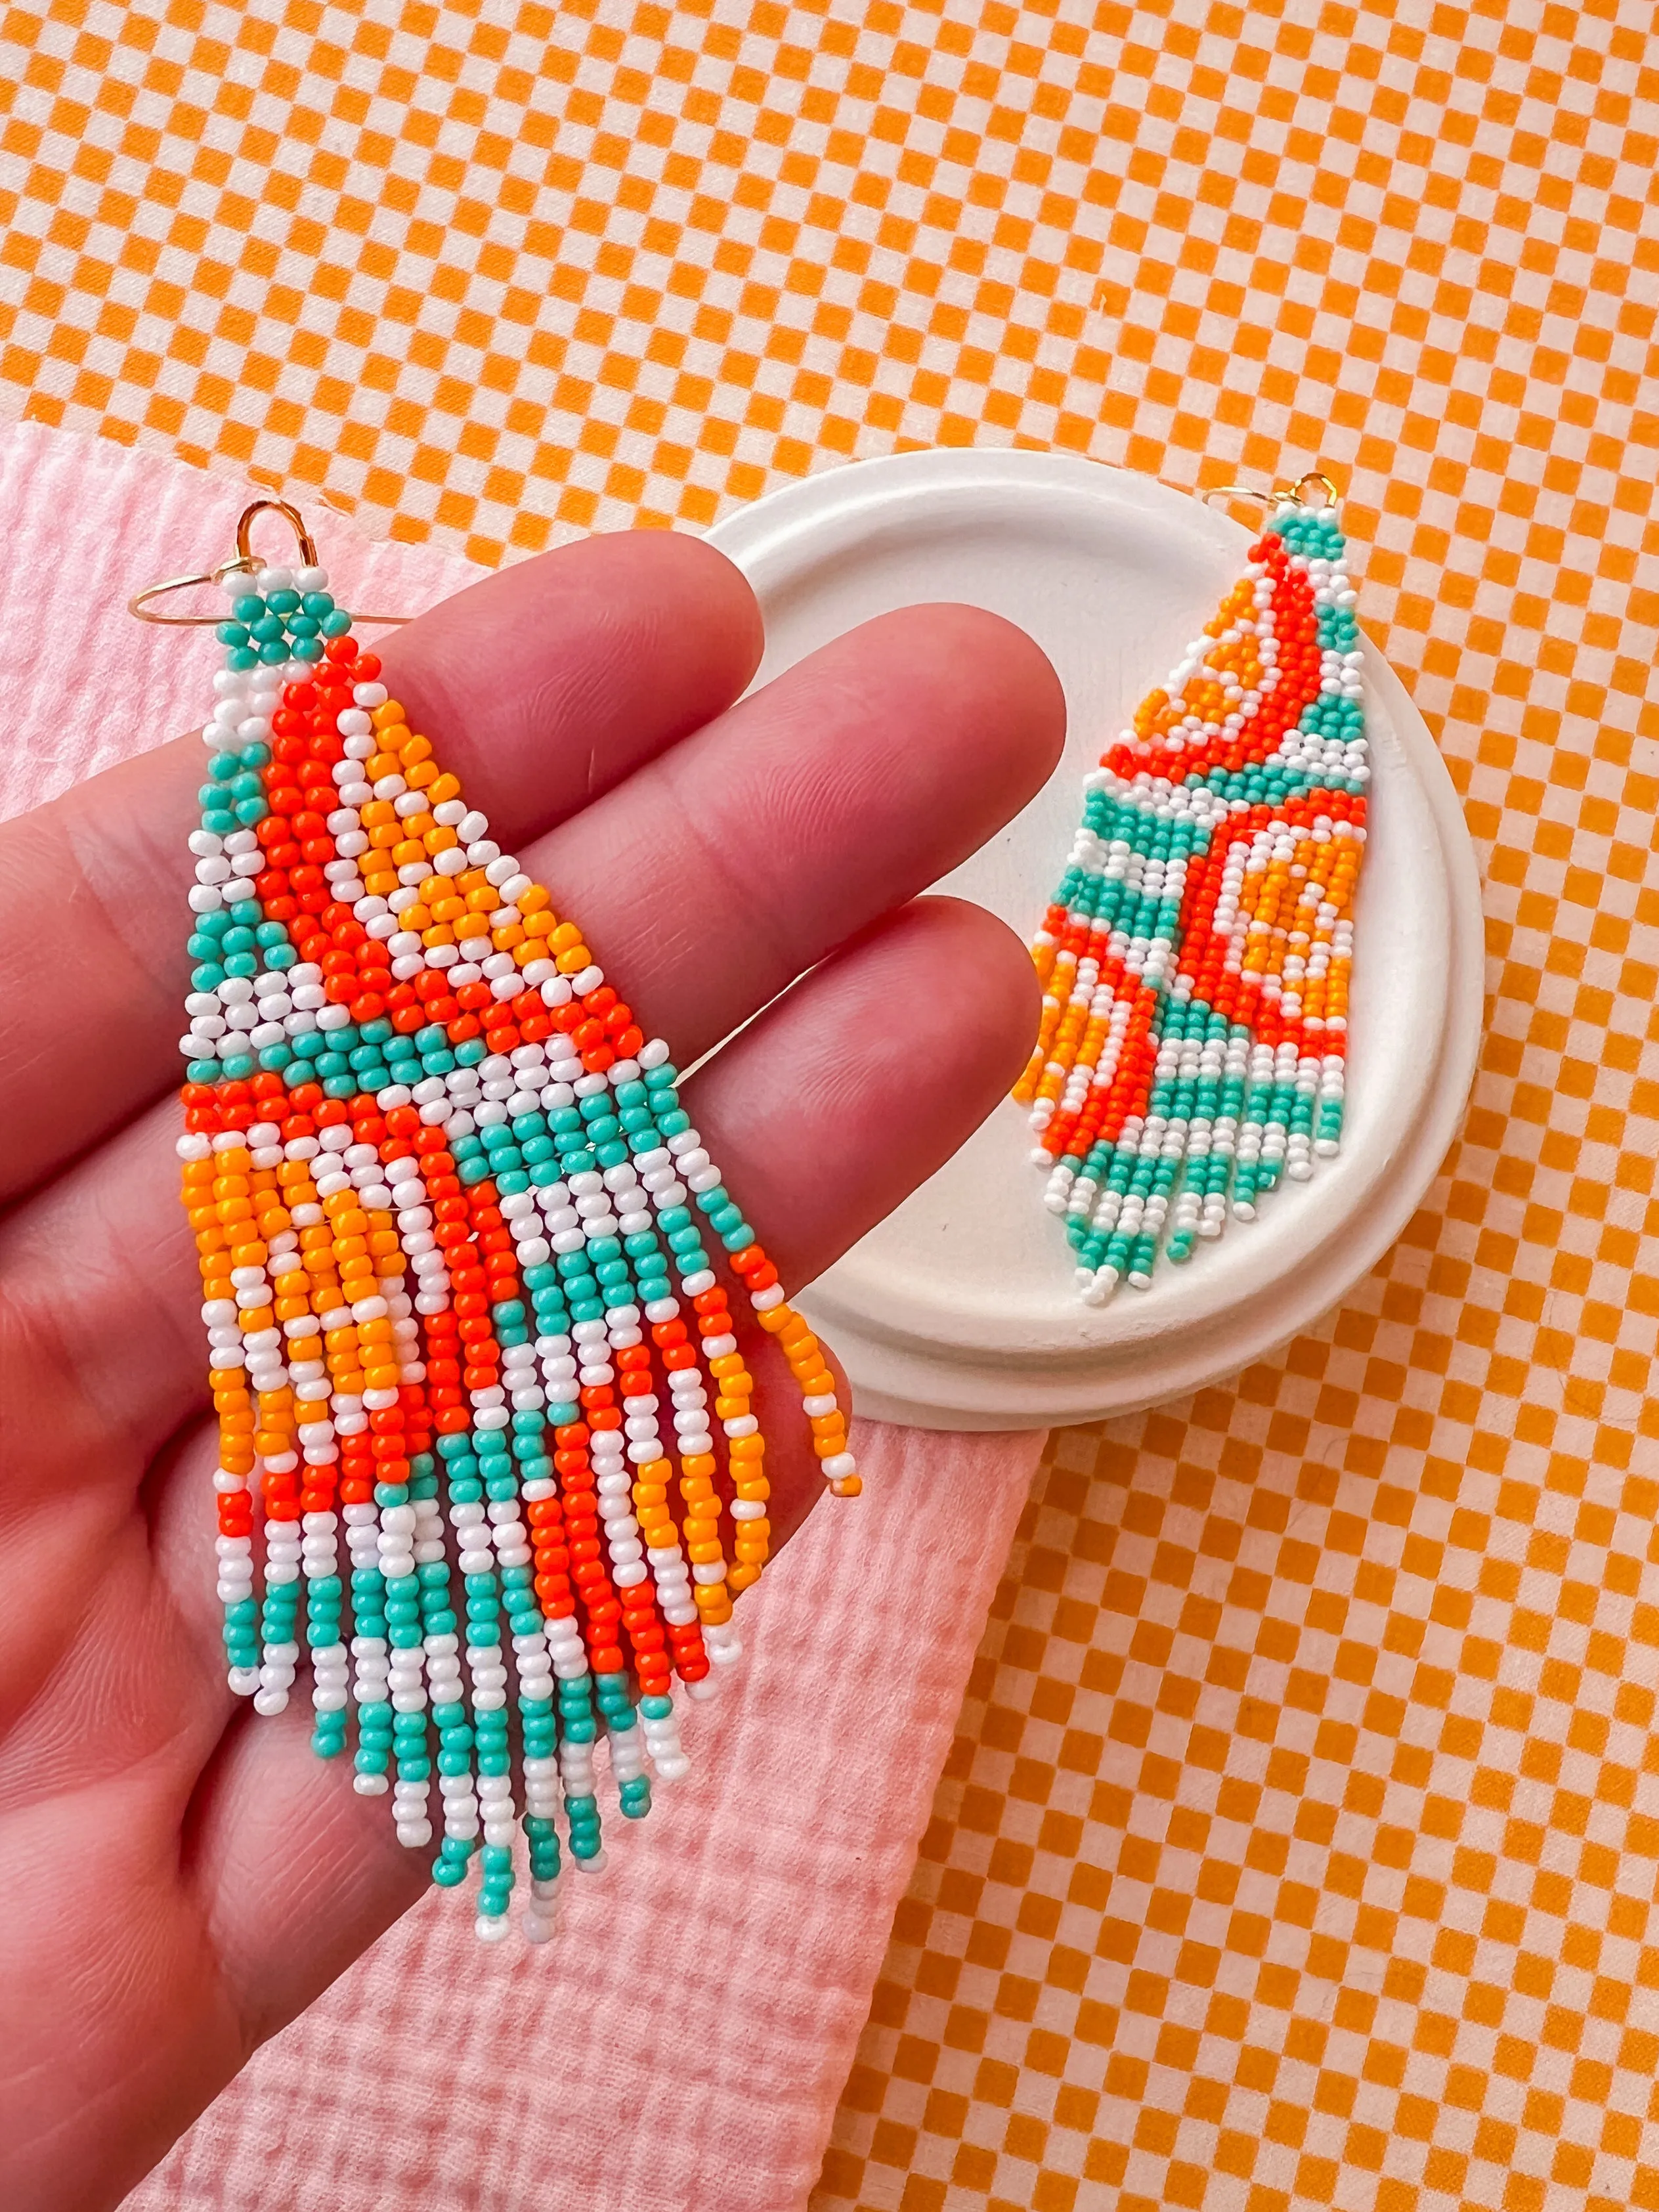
1301,1840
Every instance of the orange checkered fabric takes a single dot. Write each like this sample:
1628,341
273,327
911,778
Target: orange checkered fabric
1300,1842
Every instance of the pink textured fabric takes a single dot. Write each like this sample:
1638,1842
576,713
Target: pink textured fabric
754,1904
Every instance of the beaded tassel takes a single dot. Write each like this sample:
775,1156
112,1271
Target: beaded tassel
1195,958
454,1232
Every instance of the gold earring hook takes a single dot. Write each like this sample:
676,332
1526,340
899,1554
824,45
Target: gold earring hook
245,562
1333,497
291,515
1276,495
139,604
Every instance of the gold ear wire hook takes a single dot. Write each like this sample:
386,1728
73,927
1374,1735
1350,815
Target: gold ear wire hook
245,561
290,515
138,605
1277,494
1256,494
1333,497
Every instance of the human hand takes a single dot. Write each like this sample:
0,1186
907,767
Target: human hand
181,1878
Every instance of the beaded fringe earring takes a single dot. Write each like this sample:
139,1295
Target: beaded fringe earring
455,1232
1195,958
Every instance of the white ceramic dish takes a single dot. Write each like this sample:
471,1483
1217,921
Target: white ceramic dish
960,1311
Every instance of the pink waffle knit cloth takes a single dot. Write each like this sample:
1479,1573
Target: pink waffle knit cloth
754,1906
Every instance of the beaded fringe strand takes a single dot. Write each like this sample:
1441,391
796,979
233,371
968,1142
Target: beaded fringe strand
453,1227
1195,958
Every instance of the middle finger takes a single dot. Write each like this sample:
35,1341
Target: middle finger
721,870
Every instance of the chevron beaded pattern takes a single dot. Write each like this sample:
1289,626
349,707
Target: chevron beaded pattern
456,1234
1195,958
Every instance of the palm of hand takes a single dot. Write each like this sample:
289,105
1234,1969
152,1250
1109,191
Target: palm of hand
183,1878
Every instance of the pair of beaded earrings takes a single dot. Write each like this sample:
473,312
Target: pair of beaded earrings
457,1237
1196,955
459,1303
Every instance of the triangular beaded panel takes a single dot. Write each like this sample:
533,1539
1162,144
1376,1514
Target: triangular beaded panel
1195,956
458,1239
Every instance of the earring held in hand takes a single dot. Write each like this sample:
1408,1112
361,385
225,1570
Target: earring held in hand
457,1237
1195,958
